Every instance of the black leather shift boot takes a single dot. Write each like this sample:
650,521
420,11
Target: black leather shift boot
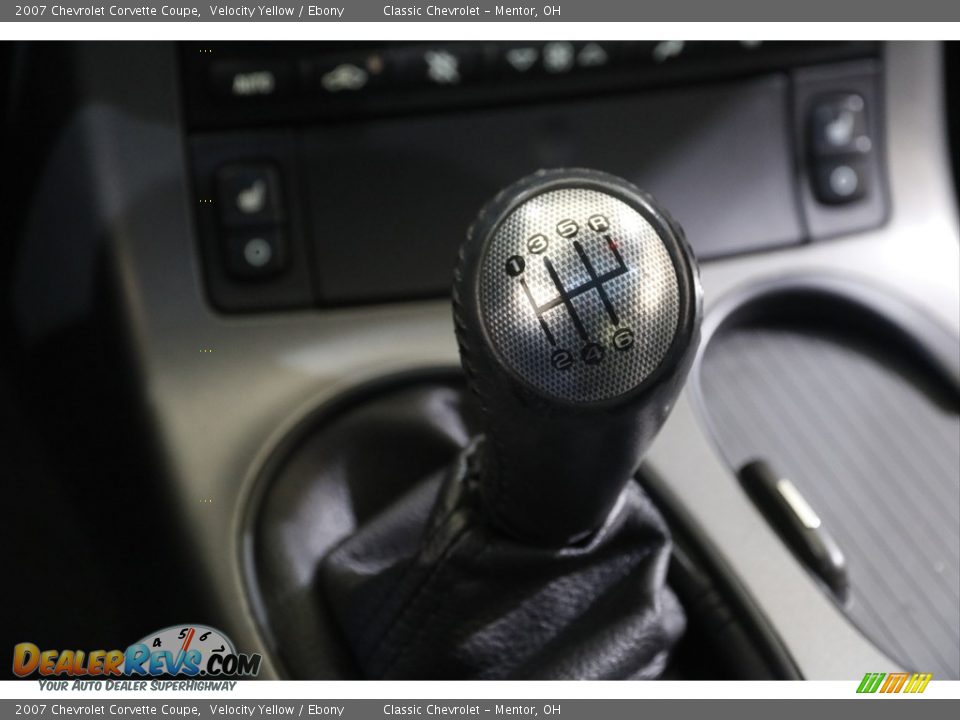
428,589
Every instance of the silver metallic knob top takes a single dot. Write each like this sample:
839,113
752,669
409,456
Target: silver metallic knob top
579,295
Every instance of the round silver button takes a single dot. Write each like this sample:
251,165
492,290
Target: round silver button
257,252
844,181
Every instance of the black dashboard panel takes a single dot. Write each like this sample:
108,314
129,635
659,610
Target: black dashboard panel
377,157
245,84
394,198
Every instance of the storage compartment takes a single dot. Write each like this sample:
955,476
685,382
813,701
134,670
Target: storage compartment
853,396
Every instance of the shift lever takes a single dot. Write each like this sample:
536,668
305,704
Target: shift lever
577,306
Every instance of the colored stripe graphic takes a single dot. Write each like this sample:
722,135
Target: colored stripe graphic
894,682
918,682
870,682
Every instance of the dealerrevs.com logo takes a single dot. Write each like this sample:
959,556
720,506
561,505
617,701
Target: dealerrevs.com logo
184,650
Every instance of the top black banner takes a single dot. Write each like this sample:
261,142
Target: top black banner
454,11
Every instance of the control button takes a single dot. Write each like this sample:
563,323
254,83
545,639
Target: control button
249,194
443,67
434,66
521,60
345,77
559,57
593,55
667,50
836,182
838,126
251,80
348,75
254,253
257,252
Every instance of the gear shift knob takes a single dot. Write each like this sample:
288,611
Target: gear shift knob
577,307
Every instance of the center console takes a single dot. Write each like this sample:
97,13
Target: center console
280,223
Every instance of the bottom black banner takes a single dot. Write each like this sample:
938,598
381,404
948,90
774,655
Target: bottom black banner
876,708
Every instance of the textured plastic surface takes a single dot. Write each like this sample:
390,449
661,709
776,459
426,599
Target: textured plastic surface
874,445
717,156
574,275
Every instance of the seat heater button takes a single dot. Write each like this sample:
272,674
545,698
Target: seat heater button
838,125
249,194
